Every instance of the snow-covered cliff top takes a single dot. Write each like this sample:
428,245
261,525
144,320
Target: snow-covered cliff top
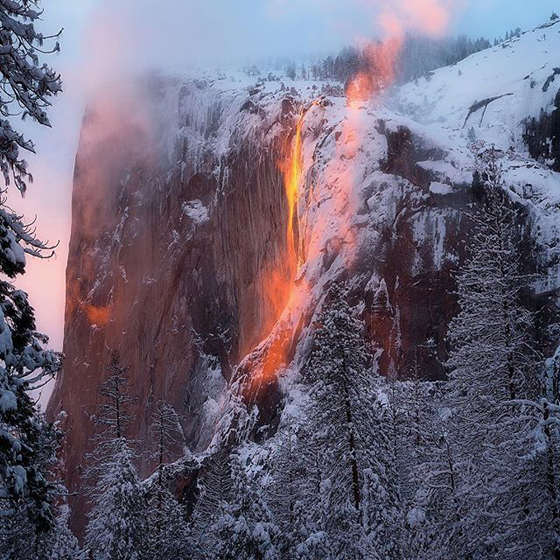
518,75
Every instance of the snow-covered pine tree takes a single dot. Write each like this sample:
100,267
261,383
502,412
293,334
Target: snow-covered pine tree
56,543
59,543
243,527
116,528
313,544
358,504
232,520
28,85
286,489
168,531
530,501
548,436
114,415
167,436
214,486
491,334
437,513
290,493
412,411
27,526
24,362
168,536
492,366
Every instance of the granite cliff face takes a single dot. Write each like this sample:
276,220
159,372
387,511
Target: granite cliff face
168,248
187,258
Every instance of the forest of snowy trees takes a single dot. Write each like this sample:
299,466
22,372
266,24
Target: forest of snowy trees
372,469
418,57
375,468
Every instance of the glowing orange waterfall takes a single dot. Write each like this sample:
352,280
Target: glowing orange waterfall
292,179
279,281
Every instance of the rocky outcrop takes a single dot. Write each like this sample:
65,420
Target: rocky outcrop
542,135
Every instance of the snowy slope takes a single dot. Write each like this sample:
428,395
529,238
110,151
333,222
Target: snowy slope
348,198
519,73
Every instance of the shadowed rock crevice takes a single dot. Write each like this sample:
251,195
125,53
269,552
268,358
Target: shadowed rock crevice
542,136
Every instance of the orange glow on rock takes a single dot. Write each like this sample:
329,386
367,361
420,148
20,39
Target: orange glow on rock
97,315
276,357
276,352
277,285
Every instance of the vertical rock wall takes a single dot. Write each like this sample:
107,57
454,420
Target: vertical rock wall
178,212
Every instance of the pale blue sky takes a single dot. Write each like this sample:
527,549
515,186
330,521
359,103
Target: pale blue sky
494,17
186,29
174,32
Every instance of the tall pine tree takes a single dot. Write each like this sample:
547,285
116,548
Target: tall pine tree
168,536
290,494
359,499
233,520
27,86
116,528
492,368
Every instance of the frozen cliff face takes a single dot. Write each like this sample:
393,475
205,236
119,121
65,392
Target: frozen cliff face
189,257
178,211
